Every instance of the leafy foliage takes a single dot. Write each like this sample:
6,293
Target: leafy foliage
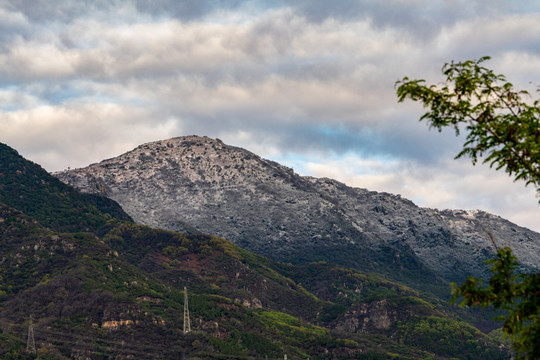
503,126
447,337
499,122
27,187
518,294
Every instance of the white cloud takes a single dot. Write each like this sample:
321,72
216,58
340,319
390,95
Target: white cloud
287,80
12,19
493,36
33,60
77,135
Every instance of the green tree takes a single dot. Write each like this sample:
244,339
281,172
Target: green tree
499,122
504,129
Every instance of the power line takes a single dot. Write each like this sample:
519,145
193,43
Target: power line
60,341
59,338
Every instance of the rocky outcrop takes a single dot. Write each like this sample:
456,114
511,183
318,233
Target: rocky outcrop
113,325
378,315
253,303
200,184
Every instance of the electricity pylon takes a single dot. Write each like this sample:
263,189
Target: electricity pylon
187,322
30,342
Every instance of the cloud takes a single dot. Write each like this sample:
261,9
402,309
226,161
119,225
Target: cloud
11,24
491,36
65,11
306,82
461,185
77,135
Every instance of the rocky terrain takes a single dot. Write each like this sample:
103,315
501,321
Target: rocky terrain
92,284
198,184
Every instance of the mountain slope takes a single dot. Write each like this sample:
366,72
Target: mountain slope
120,296
25,186
87,292
117,292
86,299
199,184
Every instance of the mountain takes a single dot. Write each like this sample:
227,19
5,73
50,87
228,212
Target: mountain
24,186
92,284
200,184
121,294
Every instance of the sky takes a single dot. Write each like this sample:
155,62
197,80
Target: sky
309,84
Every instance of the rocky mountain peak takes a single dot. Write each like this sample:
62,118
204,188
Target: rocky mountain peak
196,159
196,183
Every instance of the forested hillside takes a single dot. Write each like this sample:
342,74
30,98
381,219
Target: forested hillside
95,285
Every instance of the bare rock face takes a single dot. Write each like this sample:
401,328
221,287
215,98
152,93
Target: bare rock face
378,315
200,184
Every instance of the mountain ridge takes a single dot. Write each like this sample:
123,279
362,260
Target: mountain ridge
96,285
194,182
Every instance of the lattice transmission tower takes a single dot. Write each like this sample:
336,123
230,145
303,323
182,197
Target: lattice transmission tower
30,342
187,322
